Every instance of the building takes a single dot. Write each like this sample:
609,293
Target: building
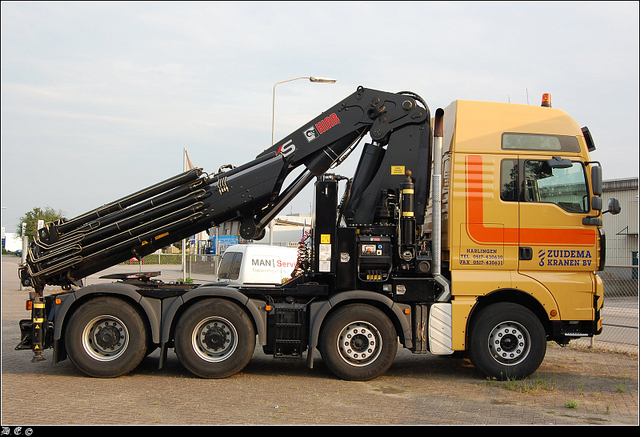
11,241
284,230
621,229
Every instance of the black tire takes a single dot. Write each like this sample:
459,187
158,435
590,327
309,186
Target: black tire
507,341
358,342
106,338
214,339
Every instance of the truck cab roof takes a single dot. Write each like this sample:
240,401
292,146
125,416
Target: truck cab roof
478,127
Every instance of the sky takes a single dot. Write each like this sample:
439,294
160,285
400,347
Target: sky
100,99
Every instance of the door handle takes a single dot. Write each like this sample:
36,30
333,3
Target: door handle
525,254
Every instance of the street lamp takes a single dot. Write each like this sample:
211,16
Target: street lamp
273,109
273,120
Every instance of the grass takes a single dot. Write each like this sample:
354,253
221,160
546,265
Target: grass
529,386
571,404
541,386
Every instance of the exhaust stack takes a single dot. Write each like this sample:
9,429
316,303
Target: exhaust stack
436,196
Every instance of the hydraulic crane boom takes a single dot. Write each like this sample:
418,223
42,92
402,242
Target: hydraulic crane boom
66,251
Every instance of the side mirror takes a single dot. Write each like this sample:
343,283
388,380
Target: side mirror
614,206
596,180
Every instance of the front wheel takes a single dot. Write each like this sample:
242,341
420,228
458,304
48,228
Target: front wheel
215,339
507,341
358,342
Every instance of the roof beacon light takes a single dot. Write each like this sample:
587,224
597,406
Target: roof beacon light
546,100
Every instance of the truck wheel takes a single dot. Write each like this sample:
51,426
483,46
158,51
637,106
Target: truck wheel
358,342
215,339
106,338
507,341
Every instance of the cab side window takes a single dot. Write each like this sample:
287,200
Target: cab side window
565,187
537,181
509,180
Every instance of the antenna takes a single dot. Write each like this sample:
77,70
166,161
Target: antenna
527,95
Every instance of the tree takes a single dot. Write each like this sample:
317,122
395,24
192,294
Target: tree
31,218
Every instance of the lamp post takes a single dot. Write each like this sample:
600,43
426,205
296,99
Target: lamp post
273,109
273,120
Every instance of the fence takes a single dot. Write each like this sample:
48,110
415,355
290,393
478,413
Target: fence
620,312
196,264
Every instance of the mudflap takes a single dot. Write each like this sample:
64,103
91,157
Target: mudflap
26,339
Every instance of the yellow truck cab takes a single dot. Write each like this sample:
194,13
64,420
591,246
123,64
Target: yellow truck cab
521,221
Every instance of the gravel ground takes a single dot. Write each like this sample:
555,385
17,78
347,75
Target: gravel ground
574,386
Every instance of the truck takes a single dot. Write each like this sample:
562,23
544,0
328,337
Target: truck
219,243
477,231
257,264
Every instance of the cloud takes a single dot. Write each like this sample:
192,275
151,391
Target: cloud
99,99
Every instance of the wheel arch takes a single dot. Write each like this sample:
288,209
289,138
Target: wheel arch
513,296
149,309
395,311
253,308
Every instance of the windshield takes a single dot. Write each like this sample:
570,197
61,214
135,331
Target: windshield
230,265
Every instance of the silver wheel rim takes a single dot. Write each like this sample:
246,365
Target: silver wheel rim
214,339
359,343
509,343
105,338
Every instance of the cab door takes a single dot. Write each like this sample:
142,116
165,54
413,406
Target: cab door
554,200
556,249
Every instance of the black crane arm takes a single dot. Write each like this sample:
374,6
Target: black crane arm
68,250
320,142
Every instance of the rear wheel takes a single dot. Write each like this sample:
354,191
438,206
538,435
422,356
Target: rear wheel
215,339
507,341
358,342
106,338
